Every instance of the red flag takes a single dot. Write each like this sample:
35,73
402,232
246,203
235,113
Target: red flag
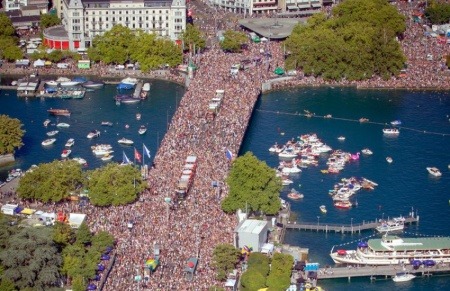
137,155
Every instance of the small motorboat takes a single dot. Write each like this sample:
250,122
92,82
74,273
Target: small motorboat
70,142
63,125
107,157
47,122
403,277
142,129
93,133
367,152
93,85
295,195
323,209
138,116
52,133
79,160
341,138
52,83
434,171
391,131
125,141
363,119
107,123
328,116
389,160
48,142
65,153
396,123
129,80
343,204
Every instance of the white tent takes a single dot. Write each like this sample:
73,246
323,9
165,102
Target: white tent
38,63
76,219
267,248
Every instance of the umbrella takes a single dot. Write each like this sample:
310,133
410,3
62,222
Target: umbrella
105,257
97,278
191,265
91,287
100,267
279,71
362,244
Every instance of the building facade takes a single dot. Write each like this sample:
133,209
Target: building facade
251,233
82,20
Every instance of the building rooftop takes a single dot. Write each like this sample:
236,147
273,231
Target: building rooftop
251,226
272,28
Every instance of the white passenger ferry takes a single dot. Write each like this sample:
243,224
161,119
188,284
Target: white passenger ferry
392,250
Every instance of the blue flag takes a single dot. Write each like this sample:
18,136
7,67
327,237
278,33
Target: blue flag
146,151
228,154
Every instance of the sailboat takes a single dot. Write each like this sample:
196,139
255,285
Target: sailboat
125,160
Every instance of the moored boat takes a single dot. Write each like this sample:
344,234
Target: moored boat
341,138
393,225
146,87
343,204
93,85
363,119
48,142
63,125
389,160
295,195
403,277
65,153
63,112
69,84
367,151
123,86
52,83
396,122
394,250
391,131
107,157
93,133
130,100
434,171
323,209
70,142
142,129
125,141
52,133
129,80
47,122
79,160
138,116
107,123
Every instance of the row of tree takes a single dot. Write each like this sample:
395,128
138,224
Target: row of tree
11,134
438,11
39,258
111,184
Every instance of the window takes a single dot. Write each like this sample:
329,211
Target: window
76,14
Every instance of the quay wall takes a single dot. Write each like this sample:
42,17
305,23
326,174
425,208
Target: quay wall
6,159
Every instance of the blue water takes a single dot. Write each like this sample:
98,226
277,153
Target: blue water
87,114
403,185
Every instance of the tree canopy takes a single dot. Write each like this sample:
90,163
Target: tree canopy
193,36
32,259
51,181
252,280
260,262
48,20
120,45
438,12
355,43
280,272
11,134
8,42
6,27
114,184
225,258
253,185
233,41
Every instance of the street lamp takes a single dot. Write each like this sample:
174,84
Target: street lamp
318,220
351,222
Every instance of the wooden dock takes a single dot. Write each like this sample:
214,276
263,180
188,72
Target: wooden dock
354,227
138,89
375,272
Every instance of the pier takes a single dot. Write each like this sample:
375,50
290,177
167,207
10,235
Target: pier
375,272
138,89
352,228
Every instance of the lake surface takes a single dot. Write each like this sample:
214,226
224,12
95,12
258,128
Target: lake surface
403,185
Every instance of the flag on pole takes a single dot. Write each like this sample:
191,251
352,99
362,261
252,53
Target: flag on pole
125,160
228,154
146,151
137,155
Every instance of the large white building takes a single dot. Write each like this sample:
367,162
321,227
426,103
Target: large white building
82,20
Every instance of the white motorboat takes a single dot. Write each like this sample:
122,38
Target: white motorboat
52,133
142,129
48,142
62,79
276,148
391,131
403,277
79,160
389,160
286,181
93,85
125,141
93,133
434,171
102,152
393,225
69,84
293,169
63,125
287,154
341,138
65,153
396,122
70,142
52,83
101,147
323,209
107,123
367,152
131,81
47,122
138,116
295,195
107,157
146,87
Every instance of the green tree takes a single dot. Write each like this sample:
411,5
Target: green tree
253,185
51,181
438,12
225,258
216,288
114,184
55,56
252,280
233,40
357,42
62,234
11,134
7,285
9,49
193,36
259,262
32,259
79,284
6,26
101,241
280,272
48,20
83,235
